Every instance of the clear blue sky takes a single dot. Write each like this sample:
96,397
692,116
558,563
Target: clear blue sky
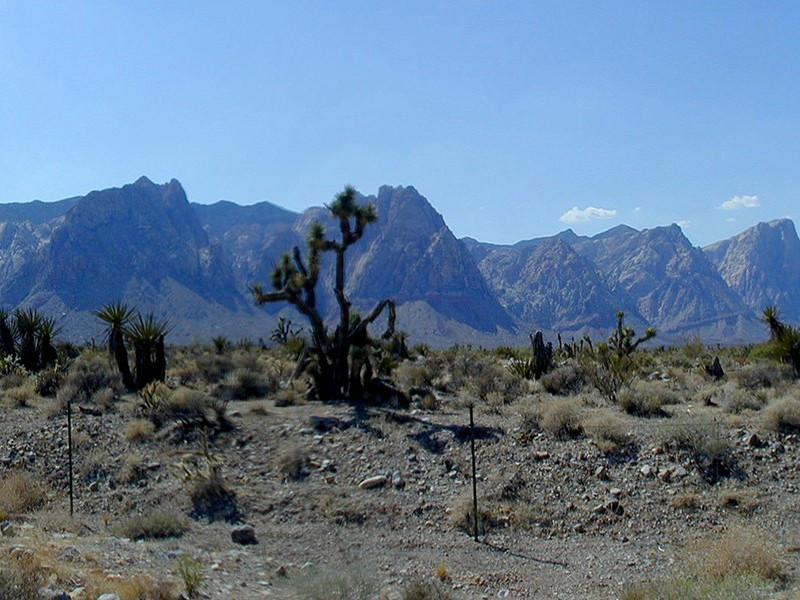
505,115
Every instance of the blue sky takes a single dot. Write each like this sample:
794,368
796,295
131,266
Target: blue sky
515,119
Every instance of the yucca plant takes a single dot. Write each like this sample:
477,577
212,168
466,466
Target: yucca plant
784,339
6,335
26,324
117,315
46,330
146,334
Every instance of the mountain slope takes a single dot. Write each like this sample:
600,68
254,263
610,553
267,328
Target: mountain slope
762,264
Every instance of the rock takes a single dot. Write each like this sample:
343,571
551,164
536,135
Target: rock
94,486
776,448
613,505
281,571
397,480
244,535
6,529
541,455
678,472
753,441
373,482
601,473
665,473
108,597
615,492
646,471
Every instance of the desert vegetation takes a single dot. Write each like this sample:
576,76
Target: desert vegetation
628,469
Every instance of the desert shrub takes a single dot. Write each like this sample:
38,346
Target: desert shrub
763,373
292,462
693,588
154,526
411,374
91,372
19,492
705,443
243,383
211,498
494,385
184,404
137,587
333,582
564,380
49,379
294,394
420,589
608,430
735,400
560,417
139,430
205,368
783,414
340,508
646,398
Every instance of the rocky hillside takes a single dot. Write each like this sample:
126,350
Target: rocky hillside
762,264
195,263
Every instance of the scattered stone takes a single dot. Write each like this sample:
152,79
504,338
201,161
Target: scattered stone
6,529
94,486
678,472
615,492
601,473
373,482
244,535
108,597
646,471
776,448
665,473
397,480
281,571
753,441
541,455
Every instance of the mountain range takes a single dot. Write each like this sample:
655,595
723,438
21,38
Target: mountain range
194,263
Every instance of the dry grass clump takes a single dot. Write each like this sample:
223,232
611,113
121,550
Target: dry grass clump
21,577
763,373
564,380
783,414
742,564
560,417
292,463
21,395
154,526
609,431
139,430
325,582
414,374
19,492
420,589
340,508
739,551
294,394
646,398
133,469
736,400
462,515
704,441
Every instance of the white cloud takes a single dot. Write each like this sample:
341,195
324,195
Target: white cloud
577,215
637,209
684,223
738,202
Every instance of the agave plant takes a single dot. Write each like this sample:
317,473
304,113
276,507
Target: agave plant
117,315
146,334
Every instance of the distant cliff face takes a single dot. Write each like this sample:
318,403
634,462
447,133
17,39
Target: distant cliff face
762,264
146,243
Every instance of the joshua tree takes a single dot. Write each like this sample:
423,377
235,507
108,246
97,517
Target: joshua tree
339,368
34,335
6,335
45,333
117,315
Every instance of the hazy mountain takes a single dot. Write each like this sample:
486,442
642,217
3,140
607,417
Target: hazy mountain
762,264
195,263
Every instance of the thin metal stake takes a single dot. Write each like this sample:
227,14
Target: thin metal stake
69,451
474,482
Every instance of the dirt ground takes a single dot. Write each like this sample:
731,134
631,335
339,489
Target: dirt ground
564,518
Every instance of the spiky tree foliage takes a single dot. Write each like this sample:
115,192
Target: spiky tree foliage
611,365
784,339
146,335
26,324
7,346
46,331
341,368
117,315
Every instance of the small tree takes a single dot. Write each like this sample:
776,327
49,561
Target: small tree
611,365
339,366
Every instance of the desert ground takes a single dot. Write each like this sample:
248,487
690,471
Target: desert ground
682,485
